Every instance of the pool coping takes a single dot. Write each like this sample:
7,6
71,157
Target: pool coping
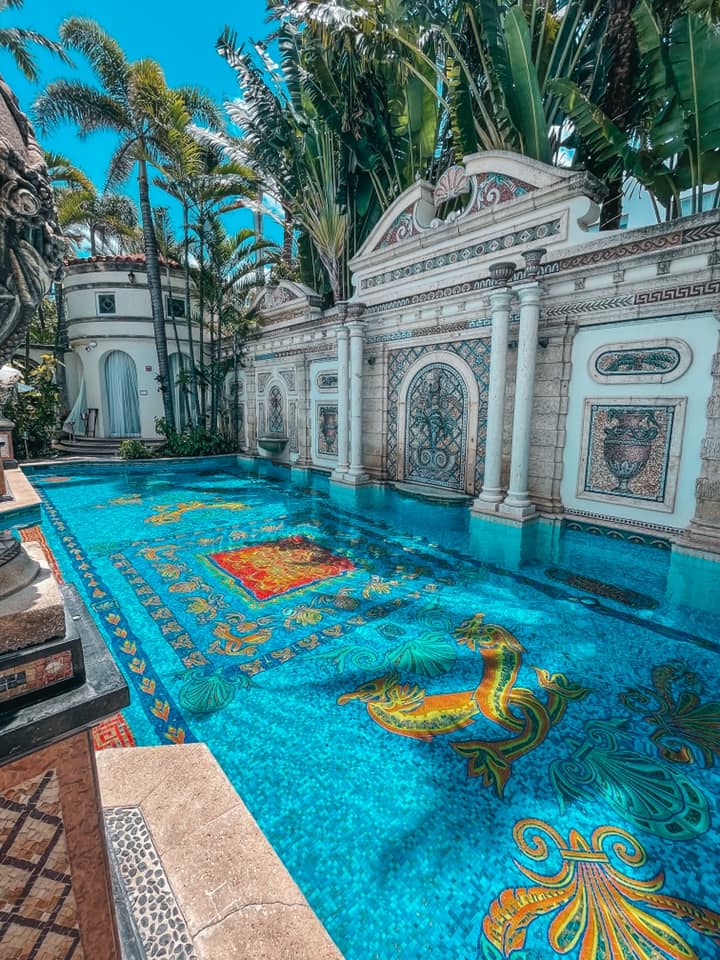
234,895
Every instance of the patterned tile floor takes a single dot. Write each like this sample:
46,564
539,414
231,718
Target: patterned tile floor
457,751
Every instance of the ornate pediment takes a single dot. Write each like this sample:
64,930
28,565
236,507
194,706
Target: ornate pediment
285,295
483,183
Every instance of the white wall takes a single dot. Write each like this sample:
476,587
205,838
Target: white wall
700,332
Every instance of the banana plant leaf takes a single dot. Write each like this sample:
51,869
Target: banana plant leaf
523,96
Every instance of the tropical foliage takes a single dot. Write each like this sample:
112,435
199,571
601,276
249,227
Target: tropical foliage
35,412
133,100
363,99
342,107
18,42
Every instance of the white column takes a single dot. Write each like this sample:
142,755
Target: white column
492,493
343,398
517,502
356,474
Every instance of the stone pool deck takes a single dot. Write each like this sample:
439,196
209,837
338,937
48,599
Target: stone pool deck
201,879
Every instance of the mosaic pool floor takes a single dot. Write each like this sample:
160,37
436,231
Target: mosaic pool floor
459,747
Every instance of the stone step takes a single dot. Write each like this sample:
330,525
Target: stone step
98,446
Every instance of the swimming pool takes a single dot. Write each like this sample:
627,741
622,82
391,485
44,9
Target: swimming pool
461,745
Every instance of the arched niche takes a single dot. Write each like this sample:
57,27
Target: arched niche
438,405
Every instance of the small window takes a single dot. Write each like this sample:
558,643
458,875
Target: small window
175,307
106,303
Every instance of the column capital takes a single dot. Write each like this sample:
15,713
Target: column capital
356,310
356,328
342,332
500,299
529,292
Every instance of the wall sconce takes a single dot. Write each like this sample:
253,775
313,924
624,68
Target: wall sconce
131,276
371,361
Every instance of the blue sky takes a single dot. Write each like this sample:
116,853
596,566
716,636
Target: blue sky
179,34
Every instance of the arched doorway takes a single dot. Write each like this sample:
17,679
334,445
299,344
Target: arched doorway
121,395
436,428
183,397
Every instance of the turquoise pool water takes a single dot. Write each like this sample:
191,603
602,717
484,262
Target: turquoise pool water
461,745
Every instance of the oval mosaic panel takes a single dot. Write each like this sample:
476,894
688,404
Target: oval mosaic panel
654,361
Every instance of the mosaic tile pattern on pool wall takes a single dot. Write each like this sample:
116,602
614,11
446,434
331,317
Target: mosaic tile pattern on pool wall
631,451
451,759
438,423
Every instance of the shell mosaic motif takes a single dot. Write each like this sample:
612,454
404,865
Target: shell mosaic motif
453,183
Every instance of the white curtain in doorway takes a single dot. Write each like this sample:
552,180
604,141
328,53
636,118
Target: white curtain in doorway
75,424
122,395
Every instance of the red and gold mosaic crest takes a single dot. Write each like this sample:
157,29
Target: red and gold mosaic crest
269,570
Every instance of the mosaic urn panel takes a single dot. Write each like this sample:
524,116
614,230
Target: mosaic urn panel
436,427
631,451
327,421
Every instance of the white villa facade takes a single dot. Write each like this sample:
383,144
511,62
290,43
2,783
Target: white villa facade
112,364
493,348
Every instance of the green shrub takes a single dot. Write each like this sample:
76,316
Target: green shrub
134,450
193,442
35,413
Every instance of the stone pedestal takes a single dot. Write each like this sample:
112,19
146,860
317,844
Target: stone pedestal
7,454
57,897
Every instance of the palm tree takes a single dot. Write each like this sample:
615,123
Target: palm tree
15,41
107,221
133,100
228,274
204,185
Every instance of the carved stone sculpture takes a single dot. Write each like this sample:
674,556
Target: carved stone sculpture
31,245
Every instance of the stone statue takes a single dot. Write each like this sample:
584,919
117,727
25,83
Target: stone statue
31,251
31,246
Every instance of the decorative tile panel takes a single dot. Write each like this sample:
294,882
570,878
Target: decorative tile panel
35,675
402,227
38,912
631,451
327,416
436,427
476,353
494,188
262,380
327,380
507,241
289,378
276,412
293,427
654,361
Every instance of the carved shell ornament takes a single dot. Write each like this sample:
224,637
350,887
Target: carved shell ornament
31,243
453,183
